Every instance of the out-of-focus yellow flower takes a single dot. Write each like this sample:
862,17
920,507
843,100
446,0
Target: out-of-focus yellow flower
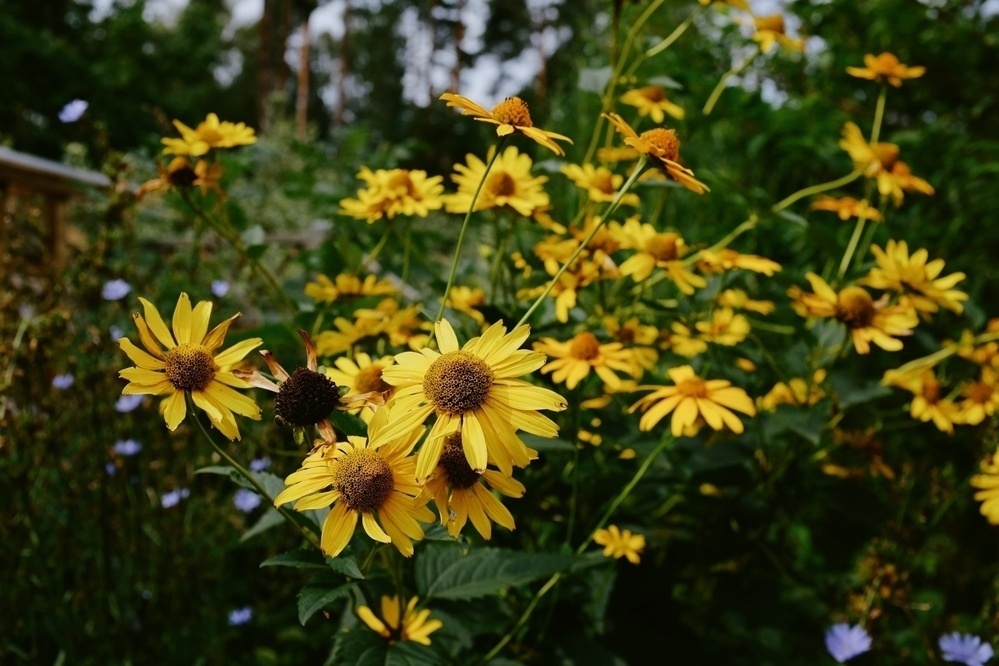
691,397
915,278
771,31
726,260
847,207
466,300
576,358
885,67
599,182
509,184
413,625
619,154
347,285
682,341
724,328
663,146
511,115
642,337
392,192
620,543
651,101
988,489
981,398
739,300
402,326
209,134
928,402
179,175
655,250
798,392
867,320
880,161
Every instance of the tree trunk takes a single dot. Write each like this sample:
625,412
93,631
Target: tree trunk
302,98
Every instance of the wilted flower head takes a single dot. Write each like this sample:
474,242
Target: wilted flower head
845,642
966,649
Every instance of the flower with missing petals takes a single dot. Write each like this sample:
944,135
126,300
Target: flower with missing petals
509,116
663,146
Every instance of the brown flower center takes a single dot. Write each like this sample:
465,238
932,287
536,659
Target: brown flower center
364,480
459,473
603,180
458,382
584,346
513,111
501,184
694,387
306,398
653,93
664,142
887,154
400,180
182,175
931,390
190,367
855,308
370,379
664,247
979,392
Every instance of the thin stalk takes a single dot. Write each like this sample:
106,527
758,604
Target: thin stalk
675,35
407,245
879,114
639,167
844,264
720,87
365,262
817,189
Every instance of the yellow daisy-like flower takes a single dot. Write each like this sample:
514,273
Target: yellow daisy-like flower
632,332
690,397
740,300
466,300
771,31
357,480
880,161
585,271
868,320
600,183
915,278
392,192
413,625
655,250
209,134
185,361
459,494
474,390
682,341
573,360
928,402
981,398
509,116
988,489
797,392
885,67
402,326
725,328
361,374
662,144
179,174
619,543
509,184
347,285
651,101
726,260
847,207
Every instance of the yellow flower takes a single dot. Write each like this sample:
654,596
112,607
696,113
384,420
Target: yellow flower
847,207
599,182
186,361
988,489
509,184
209,134
868,320
682,341
573,360
770,31
632,332
725,328
357,480
620,543
655,250
880,161
726,260
613,155
661,144
459,494
738,299
885,67
509,116
473,390
981,398
179,174
651,101
413,626
466,300
401,326
392,192
690,397
928,404
361,374
584,272
797,392
347,285
915,278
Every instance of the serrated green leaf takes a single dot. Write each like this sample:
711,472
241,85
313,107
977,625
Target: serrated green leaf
345,564
442,571
600,583
314,598
298,559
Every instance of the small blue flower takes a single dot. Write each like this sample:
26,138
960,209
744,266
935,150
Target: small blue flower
115,333
260,464
966,649
845,642
173,498
73,111
246,500
62,382
127,447
127,403
220,288
115,290
110,469
240,616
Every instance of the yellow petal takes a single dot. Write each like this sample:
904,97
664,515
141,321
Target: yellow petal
182,319
156,324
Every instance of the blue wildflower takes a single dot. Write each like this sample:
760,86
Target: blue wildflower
73,111
845,642
127,447
173,498
115,333
115,290
127,403
62,382
110,469
966,649
246,500
260,464
240,616
220,288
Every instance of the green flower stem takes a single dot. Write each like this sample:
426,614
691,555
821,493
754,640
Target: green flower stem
553,581
817,189
378,248
720,87
675,35
407,245
879,114
499,250
852,246
639,168
941,354
464,228
245,473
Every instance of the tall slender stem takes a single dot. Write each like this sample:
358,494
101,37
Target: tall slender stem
879,114
675,35
367,261
844,264
720,87
817,189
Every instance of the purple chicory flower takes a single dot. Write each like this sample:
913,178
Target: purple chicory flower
127,403
173,498
966,649
73,111
845,642
127,447
260,464
220,288
62,382
246,500
239,616
115,290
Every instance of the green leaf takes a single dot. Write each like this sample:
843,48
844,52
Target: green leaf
359,647
443,572
600,583
349,424
298,559
346,564
221,470
314,597
547,444
271,518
